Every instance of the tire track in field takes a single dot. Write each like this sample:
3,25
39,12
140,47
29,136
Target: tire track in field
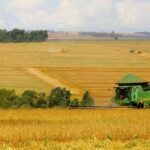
51,80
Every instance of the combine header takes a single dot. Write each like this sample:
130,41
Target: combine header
132,91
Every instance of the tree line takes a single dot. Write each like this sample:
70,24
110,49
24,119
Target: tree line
57,97
18,35
102,34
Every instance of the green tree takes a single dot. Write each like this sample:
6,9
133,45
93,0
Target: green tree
7,97
17,35
3,35
74,103
28,97
38,36
59,97
41,102
87,100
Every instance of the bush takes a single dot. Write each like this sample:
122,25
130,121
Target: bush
59,97
30,93
4,103
8,94
7,97
41,102
29,97
74,103
87,100
23,102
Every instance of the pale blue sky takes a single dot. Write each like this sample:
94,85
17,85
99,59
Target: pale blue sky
76,15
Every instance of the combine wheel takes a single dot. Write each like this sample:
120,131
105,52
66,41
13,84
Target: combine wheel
133,105
140,105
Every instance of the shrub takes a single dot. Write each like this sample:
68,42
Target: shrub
74,103
4,103
28,97
7,97
59,97
30,93
41,102
8,94
87,100
24,102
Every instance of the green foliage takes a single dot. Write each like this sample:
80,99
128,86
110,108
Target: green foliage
41,102
87,100
38,35
59,97
28,97
4,103
23,102
31,99
31,94
3,35
7,97
17,35
74,103
7,94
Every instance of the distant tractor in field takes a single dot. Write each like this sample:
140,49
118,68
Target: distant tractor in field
131,51
62,51
139,52
55,50
132,91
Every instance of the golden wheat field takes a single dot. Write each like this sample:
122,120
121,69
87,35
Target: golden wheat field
79,66
57,128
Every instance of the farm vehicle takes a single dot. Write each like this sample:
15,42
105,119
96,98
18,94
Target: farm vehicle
132,91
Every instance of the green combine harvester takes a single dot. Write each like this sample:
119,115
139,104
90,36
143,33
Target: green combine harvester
132,91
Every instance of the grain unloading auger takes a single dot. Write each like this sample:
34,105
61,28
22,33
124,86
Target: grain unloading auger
132,91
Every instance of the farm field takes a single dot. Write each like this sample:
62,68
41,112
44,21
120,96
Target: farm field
78,65
74,129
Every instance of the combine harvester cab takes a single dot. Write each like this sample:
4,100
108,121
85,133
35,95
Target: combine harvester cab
132,91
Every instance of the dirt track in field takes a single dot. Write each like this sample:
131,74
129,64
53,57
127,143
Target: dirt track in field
51,80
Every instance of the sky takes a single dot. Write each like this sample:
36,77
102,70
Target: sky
76,15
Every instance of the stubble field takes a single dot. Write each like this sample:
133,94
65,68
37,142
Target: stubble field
78,65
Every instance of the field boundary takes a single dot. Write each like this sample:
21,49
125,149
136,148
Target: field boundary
51,80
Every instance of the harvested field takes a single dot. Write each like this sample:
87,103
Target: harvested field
86,65
99,81
51,80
